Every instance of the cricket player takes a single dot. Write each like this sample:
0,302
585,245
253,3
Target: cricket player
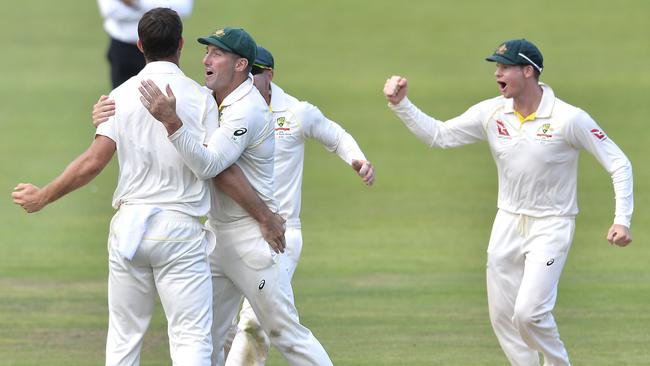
534,139
156,241
242,263
294,122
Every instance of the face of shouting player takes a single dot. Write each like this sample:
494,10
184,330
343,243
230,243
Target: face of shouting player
513,79
220,69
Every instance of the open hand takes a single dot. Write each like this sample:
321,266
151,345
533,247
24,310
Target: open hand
103,109
162,107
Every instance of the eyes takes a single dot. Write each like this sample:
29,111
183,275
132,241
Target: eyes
213,51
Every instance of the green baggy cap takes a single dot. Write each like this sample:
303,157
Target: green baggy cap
235,40
518,52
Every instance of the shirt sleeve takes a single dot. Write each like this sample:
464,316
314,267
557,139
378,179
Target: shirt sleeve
225,146
584,133
182,7
329,133
462,130
210,118
117,10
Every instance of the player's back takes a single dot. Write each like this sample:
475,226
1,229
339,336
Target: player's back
151,170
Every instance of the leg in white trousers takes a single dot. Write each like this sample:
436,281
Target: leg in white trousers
243,264
525,260
171,260
251,344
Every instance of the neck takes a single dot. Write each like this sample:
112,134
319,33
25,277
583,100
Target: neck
222,93
267,95
172,59
527,102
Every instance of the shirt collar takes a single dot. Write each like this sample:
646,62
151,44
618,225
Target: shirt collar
279,101
545,107
241,91
160,67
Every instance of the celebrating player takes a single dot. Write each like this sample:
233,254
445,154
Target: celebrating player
243,263
294,122
534,139
156,242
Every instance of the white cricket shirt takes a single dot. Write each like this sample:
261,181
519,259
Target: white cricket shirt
151,170
244,137
537,161
295,121
121,20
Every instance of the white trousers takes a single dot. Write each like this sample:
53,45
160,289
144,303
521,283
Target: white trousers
243,264
172,261
526,256
251,344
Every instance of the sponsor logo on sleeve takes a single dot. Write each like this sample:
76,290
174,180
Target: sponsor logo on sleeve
502,130
240,131
599,134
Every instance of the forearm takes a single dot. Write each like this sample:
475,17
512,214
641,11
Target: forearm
623,192
205,162
77,174
233,182
348,149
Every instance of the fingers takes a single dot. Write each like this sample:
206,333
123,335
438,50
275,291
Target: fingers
619,235
356,165
365,170
170,93
102,110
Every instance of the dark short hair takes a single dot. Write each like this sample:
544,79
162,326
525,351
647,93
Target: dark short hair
160,31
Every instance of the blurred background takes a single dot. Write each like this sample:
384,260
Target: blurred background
390,275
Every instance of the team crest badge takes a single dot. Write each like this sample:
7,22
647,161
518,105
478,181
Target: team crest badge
501,50
545,132
219,33
280,121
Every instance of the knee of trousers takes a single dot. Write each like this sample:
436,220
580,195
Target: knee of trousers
526,319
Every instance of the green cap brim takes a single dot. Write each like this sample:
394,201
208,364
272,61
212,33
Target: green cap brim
215,42
500,59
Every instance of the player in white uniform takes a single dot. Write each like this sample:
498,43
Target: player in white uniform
156,242
535,139
243,263
294,121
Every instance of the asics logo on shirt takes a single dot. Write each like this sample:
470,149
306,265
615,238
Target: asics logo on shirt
240,131
261,286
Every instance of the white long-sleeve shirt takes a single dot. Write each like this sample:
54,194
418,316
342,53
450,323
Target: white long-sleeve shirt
294,122
151,170
244,137
537,161
121,20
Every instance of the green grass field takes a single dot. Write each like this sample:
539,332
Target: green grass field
392,275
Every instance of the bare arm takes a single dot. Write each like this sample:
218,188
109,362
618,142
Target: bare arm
81,171
233,182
